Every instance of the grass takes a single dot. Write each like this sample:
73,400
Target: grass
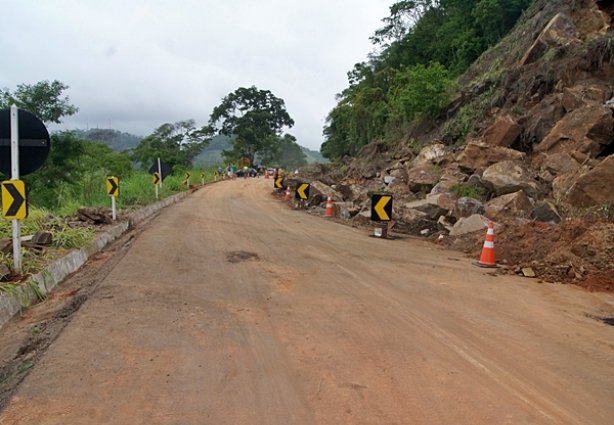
136,190
463,190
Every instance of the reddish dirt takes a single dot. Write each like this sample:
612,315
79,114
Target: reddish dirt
229,308
578,251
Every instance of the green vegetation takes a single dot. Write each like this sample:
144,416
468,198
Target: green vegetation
254,120
43,99
423,47
463,190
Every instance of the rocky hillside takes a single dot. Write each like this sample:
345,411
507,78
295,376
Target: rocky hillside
528,143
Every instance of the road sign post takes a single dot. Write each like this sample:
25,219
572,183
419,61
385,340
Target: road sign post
113,192
381,213
15,176
28,141
160,172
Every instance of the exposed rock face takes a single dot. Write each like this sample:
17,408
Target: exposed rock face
503,132
588,130
560,31
515,204
593,187
508,177
479,155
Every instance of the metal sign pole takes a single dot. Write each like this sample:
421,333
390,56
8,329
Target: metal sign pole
113,208
157,191
160,171
15,176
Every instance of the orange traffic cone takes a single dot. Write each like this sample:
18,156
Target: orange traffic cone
330,208
288,194
487,259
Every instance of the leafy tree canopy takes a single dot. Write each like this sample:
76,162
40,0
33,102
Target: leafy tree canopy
253,118
177,144
43,99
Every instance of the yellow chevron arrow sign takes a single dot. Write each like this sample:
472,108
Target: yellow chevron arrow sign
381,207
302,191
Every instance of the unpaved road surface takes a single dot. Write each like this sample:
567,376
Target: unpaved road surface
231,308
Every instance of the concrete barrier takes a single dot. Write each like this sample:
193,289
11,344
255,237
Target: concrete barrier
43,283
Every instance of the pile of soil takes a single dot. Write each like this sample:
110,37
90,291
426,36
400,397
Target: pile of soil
578,251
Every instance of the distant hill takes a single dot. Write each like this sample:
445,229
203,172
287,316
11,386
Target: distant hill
314,156
115,139
212,155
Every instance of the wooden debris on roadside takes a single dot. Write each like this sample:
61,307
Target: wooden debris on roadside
42,238
6,245
95,215
5,272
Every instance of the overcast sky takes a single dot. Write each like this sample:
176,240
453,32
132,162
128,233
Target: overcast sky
133,65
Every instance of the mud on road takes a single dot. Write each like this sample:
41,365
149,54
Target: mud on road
231,308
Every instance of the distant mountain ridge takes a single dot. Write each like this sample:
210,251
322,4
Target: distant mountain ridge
210,156
116,140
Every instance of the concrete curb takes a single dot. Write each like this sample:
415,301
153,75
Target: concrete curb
43,283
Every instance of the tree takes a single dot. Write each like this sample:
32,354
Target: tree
43,99
177,144
251,117
422,92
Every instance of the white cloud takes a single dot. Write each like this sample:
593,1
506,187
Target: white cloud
134,65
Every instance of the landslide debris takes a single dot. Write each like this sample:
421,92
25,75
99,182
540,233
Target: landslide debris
538,158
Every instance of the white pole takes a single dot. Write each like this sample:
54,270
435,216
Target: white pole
113,208
15,176
157,192
160,172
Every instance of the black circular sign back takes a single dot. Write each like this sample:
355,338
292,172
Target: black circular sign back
166,169
34,142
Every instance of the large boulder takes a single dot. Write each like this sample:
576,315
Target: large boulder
479,155
545,212
588,130
581,96
504,132
559,32
515,204
422,178
593,187
465,207
319,188
469,225
432,154
509,177
430,206
556,164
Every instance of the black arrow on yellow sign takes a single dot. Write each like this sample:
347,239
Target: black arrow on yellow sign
14,203
302,191
155,178
113,186
381,208
279,183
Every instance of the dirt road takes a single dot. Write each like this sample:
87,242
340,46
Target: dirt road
231,308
